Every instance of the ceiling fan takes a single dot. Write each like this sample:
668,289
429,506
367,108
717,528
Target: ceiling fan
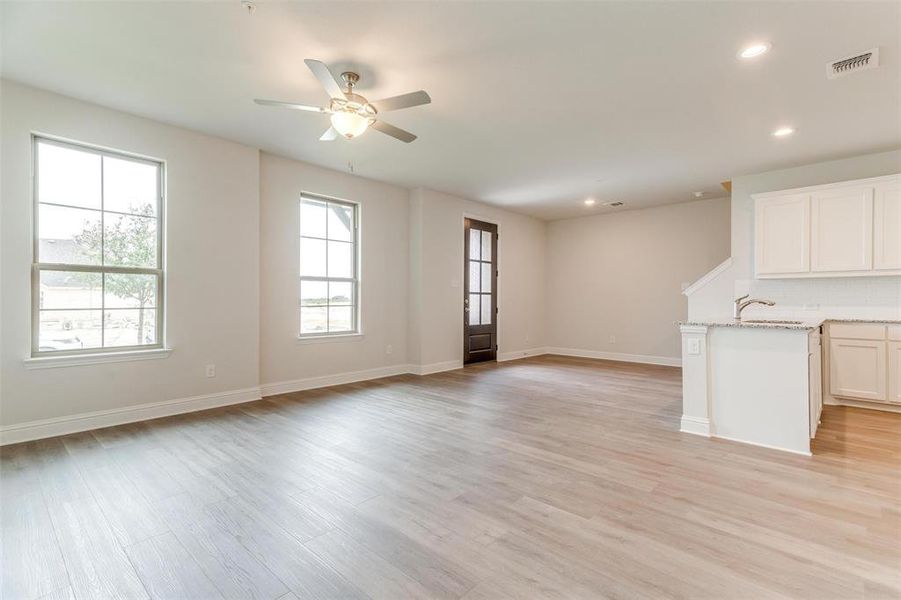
351,113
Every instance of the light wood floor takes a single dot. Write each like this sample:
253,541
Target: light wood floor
543,478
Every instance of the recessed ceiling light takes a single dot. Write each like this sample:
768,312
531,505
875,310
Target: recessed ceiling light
783,131
589,202
755,50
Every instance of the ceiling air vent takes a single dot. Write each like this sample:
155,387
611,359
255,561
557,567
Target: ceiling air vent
852,64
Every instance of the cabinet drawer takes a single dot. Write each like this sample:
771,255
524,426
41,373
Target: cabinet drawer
894,333
857,331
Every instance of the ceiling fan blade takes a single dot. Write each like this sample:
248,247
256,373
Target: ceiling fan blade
402,101
293,105
395,132
329,135
325,77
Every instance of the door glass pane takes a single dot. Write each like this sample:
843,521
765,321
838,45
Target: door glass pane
69,235
313,293
129,241
70,289
340,292
129,327
67,176
474,305
340,318
128,290
474,238
129,186
486,309
474,276
313,319
486,277
312,258
340,259
486,245
312,218
69,330
340,222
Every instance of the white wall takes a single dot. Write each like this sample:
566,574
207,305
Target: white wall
436,325
212,258
866,297
621,274
284,362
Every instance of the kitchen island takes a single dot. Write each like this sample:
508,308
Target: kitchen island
752,382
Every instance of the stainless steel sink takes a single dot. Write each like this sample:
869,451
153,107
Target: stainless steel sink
771,322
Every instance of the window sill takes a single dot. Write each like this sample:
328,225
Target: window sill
324,339
74,360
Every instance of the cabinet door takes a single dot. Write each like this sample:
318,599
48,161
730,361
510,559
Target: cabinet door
841,230
782,235
857,369
894,372
887,226
815,388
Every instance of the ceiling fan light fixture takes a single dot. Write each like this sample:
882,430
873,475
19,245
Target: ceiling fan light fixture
350,124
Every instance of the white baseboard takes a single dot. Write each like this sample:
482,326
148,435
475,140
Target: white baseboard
883,406
695,426
45,428
767,446
633,358
438,367
309,383
505,356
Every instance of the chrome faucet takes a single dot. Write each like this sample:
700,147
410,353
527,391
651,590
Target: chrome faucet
743,302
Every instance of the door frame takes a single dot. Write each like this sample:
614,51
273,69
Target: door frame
462,327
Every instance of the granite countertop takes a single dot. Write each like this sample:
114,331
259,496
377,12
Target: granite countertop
774,322
855,320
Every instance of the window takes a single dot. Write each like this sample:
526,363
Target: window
97,281
329,269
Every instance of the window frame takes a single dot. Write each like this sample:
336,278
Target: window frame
354,280
37,266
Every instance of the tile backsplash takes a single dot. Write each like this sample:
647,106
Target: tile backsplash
852,297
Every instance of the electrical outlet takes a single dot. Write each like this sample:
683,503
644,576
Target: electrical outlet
694,346
612,339
211,370
389,349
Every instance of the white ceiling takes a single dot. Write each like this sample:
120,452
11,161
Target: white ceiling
535,106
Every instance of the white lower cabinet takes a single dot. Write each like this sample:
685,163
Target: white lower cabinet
815,378
894,372
864,362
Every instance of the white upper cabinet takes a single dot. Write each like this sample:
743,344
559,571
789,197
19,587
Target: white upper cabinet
887,226
841,230
783,234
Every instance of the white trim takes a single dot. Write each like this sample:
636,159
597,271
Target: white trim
324,339
633,358
34,430
695,426
309,383
874,405
710,276
516,354
767,446
828,186
448,365
75,360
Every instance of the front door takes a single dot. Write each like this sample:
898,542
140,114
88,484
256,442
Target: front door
479,291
